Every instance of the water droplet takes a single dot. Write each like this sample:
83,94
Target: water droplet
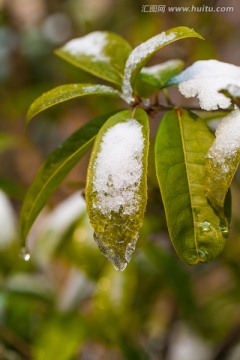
202,255
193,256
205,226
24,254
223,226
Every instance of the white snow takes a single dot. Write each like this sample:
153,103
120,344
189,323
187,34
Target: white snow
118,168
137,56
204,79
153,70
234,90
92,44
227,142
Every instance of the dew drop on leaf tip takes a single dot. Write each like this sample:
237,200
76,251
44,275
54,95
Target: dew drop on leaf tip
24,254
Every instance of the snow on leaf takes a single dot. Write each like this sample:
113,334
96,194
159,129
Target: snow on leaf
141,54
233,90
205,79
159,74
116,190
137,56
100,53
118,168
222,159
92,44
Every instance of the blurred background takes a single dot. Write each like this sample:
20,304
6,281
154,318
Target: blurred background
67,302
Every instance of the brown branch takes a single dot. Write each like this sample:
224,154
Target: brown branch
223,350
15,341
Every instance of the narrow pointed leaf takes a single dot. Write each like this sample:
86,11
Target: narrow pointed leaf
100,53
116,190
223,160
142,53
160,74
67,92
182,142
54,170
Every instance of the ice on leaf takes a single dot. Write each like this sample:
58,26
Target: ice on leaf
205,79
223,159
116,185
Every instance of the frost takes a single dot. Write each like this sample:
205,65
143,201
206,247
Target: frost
139,54
92,44
204,79
227,142
118,168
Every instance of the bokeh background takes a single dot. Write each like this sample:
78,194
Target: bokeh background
67,302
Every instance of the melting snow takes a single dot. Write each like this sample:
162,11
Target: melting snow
204,79
92,44
138,55
227,142
118,168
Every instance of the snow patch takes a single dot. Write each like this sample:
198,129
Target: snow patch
92,44
118,168
227,142
154,70
138,55
204,79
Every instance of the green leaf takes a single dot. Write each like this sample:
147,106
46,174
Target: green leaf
158,75
141,54
54,170
182,142
59,338
222,161
116,190
100,53
67,92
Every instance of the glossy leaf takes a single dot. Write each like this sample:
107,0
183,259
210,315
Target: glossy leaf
54,170
222,160
100,53
66,92
116,190
160,74
141,54
182,142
